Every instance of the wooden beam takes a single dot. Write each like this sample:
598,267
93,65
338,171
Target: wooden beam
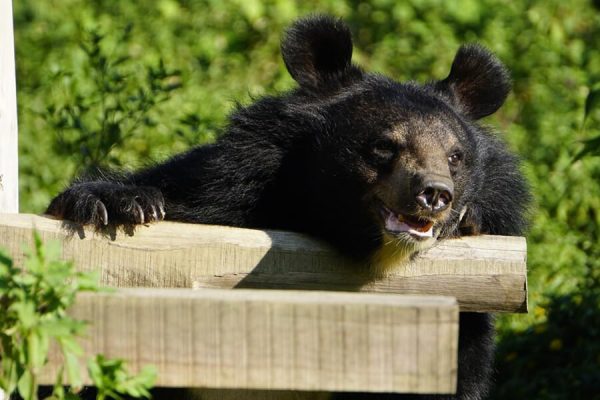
484,273
277,339
9,162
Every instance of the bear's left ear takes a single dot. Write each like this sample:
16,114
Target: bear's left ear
478,82
317,52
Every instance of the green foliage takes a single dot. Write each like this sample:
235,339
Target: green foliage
592,102
112,380
102,108
34,300
566,345
590,146
226,51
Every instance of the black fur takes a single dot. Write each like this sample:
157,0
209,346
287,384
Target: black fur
478,82
318,51
320,159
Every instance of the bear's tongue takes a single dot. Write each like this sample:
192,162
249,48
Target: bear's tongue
412,225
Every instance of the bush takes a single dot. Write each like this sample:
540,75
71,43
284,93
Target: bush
34,299
559,356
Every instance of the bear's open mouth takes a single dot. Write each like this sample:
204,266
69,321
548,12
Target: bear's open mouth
417,227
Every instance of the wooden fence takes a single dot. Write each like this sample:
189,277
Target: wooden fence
319,335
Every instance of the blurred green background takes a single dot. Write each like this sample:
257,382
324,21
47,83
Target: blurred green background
122,84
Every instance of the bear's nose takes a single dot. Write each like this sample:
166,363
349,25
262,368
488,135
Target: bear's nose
435,196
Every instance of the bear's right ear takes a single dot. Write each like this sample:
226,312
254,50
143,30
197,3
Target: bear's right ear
317,52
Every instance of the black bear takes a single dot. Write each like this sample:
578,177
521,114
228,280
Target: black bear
378,168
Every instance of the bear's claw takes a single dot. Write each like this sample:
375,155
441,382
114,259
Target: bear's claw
104,203
101,212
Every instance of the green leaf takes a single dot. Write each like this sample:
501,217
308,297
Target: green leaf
5,260
58,391
38,349
25,313
73,369
592,102
71,396
10,375
111,378
38,245
63,328
590,146
88,281
95,373
25,386
69,345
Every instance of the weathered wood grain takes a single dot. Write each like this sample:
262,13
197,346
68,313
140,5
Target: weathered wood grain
484,273
9,162
277,339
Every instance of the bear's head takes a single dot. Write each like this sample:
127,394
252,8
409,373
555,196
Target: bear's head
399,161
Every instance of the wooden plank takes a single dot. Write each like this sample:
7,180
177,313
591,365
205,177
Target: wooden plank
9,165
277,339
484,273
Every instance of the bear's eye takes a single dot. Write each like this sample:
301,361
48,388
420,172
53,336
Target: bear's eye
385,150
455,158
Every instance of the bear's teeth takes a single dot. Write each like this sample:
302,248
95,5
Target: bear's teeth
416,223
423,228
396,223
424,234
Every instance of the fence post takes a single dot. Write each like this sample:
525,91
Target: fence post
9,159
